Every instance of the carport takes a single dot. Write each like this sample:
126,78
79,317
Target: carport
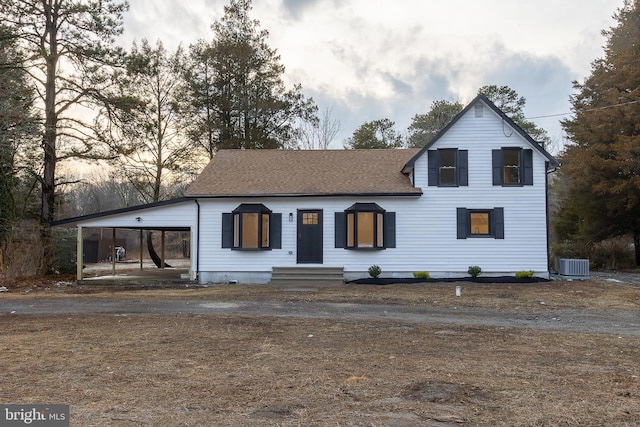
179,215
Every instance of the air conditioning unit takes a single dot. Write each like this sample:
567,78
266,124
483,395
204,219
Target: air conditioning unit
578,268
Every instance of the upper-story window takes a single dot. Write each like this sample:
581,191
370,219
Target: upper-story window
512,166
448,167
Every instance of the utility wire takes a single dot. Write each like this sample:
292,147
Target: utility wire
585,111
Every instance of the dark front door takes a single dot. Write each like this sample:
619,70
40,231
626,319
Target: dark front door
310,237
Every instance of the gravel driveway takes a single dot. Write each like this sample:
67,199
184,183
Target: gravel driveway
569,320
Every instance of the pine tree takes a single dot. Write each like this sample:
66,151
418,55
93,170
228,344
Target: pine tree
375,134
18,127
424,127
68,48
237,93
603,161
512,104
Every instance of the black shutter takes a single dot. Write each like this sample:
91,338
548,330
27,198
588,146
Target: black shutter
389,236
340,230
227,230
434,166
463,167
496,162
275,231
497,218
462,222
527,162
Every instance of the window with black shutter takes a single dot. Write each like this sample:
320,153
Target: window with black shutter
512,167
448,167
251,227
365,226
480,223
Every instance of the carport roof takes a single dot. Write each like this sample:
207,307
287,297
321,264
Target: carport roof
73,222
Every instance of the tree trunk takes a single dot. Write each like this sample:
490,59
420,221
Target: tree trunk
636,244
48,195
49,143
153,254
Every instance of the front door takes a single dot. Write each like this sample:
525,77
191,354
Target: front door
310,237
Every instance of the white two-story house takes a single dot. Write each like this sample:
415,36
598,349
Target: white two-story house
475,195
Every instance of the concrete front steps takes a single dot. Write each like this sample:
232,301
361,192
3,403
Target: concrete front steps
307,276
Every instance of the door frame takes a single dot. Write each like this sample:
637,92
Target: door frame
316,245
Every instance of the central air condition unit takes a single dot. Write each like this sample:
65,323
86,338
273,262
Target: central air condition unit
578,268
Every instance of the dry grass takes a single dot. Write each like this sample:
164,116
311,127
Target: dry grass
188,370
591,294
240,370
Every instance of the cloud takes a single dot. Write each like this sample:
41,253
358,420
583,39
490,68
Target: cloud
544,80
296,8
372,59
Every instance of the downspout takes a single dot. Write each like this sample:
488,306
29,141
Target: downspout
198,243
546,205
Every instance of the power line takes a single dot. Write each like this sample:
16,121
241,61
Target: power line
585,111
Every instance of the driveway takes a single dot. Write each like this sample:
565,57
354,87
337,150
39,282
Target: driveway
568,320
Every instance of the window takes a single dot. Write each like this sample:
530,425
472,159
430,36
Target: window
363,230
251,227
448,167
310,218
365,226
512,167
480,223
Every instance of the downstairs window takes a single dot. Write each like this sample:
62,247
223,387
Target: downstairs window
365,226
251,227
480,223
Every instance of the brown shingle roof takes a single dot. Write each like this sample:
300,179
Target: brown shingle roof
305,172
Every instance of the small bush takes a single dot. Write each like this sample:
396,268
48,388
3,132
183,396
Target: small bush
374,271
524,274
421,275
615,253
23,254
474,270
65,250
612,254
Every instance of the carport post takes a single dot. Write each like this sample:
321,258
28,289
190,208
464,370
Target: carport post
113,252
141,249
162,250
79,257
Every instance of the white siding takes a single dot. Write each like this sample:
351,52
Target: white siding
525,244
425,226
183,214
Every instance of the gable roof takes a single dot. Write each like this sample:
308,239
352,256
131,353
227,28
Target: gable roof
259,173
481,98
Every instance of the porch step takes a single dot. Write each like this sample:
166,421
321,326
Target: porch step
305,276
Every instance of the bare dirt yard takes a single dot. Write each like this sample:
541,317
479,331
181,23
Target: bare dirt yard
161,367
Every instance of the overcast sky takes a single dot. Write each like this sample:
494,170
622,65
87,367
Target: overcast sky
373,59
